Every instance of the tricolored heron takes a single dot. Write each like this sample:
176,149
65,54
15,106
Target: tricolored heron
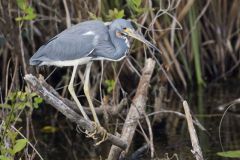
84,43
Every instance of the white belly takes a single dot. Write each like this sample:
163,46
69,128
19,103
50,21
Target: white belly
74,62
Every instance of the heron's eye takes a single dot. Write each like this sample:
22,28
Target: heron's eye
124,31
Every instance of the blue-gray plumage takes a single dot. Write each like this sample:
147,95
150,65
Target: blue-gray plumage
92,40
83,43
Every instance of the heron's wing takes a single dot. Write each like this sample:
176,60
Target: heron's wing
74,43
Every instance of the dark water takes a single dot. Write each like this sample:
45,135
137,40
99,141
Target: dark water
170,131
207,106
209,109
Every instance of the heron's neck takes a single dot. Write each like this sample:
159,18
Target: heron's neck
120,45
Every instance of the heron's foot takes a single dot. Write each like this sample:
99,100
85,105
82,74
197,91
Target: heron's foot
104,135
92,134
98,132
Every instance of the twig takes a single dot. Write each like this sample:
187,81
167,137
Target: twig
179,114
150,134
39,155
68,18
197,152
137,109
220,124
22,48
50,98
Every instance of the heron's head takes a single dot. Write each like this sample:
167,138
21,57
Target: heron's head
118,27
124,29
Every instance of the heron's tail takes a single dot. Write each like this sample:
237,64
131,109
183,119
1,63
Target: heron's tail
34,62
37,58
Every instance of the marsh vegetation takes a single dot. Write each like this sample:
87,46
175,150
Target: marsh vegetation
200,54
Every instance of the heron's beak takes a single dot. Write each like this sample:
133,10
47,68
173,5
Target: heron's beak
134,34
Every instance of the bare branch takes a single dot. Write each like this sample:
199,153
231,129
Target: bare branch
38,85
137,109
197,152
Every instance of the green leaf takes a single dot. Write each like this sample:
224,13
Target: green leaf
35,105
230,154
110,85
114,14
49,129
20,105
93,16
20,144
29,104
21,96
29,14
22,4
5,105
120,14
135,6
137,3
29,17
4,158
32,94
29,10
18,19
38,100
12,135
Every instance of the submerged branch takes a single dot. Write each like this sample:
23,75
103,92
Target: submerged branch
49,95
197,151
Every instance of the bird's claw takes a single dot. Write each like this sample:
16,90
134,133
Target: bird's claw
98,130
104,135
92,134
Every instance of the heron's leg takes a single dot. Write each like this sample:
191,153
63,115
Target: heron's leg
73,94
86,91
98,128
